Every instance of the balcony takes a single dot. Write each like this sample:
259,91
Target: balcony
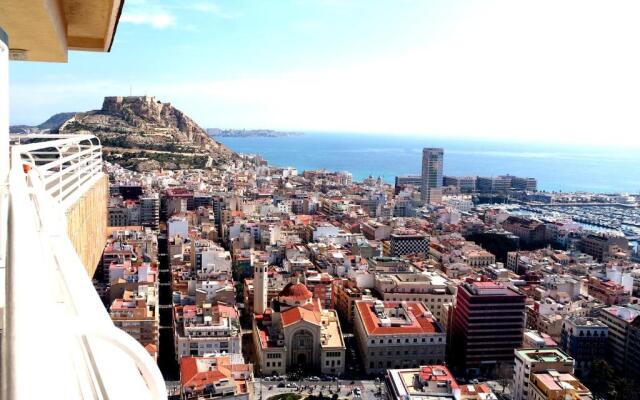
58,340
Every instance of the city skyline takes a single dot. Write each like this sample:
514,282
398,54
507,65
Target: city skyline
432,69
174,265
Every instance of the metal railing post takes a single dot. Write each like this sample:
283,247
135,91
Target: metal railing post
4,192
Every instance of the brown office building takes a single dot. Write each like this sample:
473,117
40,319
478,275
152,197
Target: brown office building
488,324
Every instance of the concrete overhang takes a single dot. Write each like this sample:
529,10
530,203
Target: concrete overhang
45,30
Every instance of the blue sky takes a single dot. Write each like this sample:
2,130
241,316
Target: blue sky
545,70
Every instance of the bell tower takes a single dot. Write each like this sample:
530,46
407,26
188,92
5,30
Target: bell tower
260,280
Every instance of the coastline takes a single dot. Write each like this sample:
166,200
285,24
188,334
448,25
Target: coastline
558,169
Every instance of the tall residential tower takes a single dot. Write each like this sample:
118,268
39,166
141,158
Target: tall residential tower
432,158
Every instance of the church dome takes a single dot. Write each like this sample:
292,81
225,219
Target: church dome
297,291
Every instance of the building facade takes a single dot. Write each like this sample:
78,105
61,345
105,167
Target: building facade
432,166
531,361
397,335
488,325
296,333
585,339
408,243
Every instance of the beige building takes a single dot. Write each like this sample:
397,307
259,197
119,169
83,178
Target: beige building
397,335
531,361
137,314
553,385
296,332
431,288
345,295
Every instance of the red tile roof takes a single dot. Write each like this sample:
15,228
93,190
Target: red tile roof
309,312
189,375
419,322
296,291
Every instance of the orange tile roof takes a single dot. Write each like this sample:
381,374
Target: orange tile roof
419,322
189,375
309,313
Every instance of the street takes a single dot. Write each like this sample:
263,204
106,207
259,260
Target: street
344,388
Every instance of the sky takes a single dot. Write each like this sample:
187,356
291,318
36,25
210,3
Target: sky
541,71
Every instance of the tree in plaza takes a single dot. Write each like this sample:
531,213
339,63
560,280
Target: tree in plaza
623,390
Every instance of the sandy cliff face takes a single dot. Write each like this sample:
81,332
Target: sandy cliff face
144,129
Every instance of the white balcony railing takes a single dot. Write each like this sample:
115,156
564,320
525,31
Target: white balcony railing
64,163
58,340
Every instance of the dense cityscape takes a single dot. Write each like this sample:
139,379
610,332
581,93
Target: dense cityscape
306,282
144,257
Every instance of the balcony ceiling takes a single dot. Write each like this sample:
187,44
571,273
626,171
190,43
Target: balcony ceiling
48,29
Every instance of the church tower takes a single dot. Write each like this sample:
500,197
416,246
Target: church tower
260,280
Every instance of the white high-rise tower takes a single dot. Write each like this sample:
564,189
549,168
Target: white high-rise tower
260,280
432,162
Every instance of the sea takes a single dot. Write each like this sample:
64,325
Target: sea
567,168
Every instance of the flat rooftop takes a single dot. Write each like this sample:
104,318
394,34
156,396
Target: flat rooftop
397,318
544,355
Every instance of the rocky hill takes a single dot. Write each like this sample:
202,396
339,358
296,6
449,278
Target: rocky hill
51,125
142,133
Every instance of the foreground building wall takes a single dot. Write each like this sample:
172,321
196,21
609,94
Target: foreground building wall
87,224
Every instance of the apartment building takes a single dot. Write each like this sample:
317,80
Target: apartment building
209,258
137,314
623,323
150,210
431,288
425,382
554,385
345,295
219,377
321,285
530,232
585,339
531,361
608,292
603,247
210,329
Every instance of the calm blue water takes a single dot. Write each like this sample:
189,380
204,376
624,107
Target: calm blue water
556,168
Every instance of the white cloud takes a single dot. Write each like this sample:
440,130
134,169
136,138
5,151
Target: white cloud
563,71
164,14
158,19
211,8
542,71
